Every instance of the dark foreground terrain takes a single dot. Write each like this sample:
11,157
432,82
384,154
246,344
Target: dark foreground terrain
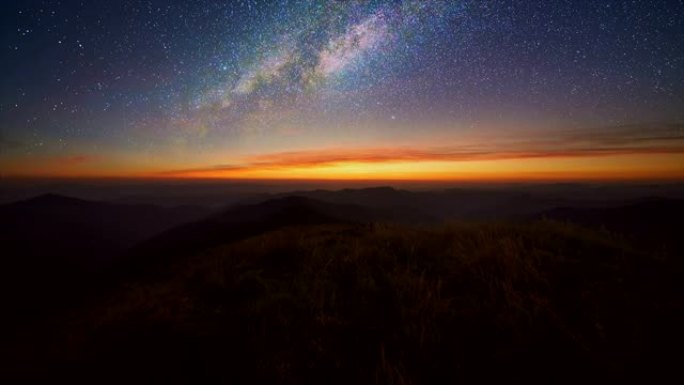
296,290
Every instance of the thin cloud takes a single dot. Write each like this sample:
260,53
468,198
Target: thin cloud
383,155
611,141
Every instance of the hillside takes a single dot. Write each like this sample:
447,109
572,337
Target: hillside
241,221
491,203
56,226
378,303
52,245
653,224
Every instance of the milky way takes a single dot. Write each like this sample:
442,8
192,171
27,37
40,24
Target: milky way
314,52
167,77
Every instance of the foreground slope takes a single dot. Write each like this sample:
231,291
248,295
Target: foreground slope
352,303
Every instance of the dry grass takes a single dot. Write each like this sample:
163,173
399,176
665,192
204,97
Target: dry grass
388,304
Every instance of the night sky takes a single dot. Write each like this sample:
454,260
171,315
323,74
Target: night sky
342,89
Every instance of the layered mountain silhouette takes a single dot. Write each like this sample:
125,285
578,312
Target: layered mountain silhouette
343,282
53,245
650,222
246,220
63,231
428,206
55,227
439,205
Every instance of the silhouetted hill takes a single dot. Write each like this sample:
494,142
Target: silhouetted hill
82,232
51,242
540,302
315,289
251,219
440,205
653,223
384,195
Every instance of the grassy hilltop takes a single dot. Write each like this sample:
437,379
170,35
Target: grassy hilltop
386,304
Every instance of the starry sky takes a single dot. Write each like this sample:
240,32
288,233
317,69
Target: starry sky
356,89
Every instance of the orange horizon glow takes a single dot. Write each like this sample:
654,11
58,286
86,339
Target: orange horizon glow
392,164
527,156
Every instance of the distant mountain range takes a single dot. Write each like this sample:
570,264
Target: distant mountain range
184,277
57,240
473,203
84,232
242,221
653,223
51,243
